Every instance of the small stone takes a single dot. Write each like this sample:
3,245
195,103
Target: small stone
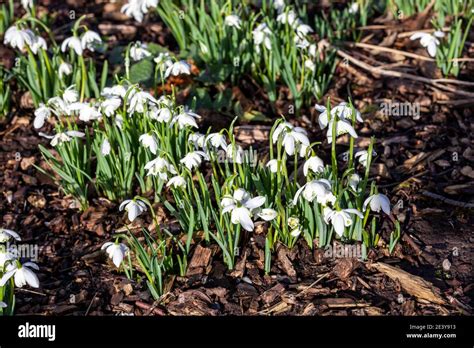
446,265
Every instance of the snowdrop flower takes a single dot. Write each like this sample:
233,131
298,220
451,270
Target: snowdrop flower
6,235
294,225
74,43
137,8
90,40
241,206
430,41
267,214
197,139
105,147
18,38
37,43
58,106
279,5
63,137
193,159
27,4
134,207
41,114
114,91
3,304
186,118
354,8
116,252
161,167
177,181
340,219
22,274
261,35
343,111
363,156
5,256
138,100
178,68
293,137
70,95
289,17
309,65
138,51
217,140
163,114
64,69
110,105
272,165
301,42
319,189
235,153
86,112
313,50
149,142
353,181
163,60
314,163
342,127
303,30
378,202
233,21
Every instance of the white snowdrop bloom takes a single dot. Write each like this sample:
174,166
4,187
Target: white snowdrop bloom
18,38
261,35
58,106
378,202
301,42
354,8
340,219
134,207
288,17
178,68
279,5
110,105
163,60
272,165
343,111
303,29
315,164
116,252
114,91
138,8
37,43
3,305
430,41
70,95
217,140
293,137
342,127
319,189
65,69
186,118
74,43
22,275
313,50
233,21
87,112
138,101
161,167
62,137
363,156
27,4
267,214
139,51
353,181
163,114
149,142
6,235
6,255
308,63
235,153
177,182
294,225
193,159
105,147
119,121
241,206
197,139
41,114
90,40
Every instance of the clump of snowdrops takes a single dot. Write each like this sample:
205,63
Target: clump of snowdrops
13,272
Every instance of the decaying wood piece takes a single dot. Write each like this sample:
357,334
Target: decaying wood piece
412,284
